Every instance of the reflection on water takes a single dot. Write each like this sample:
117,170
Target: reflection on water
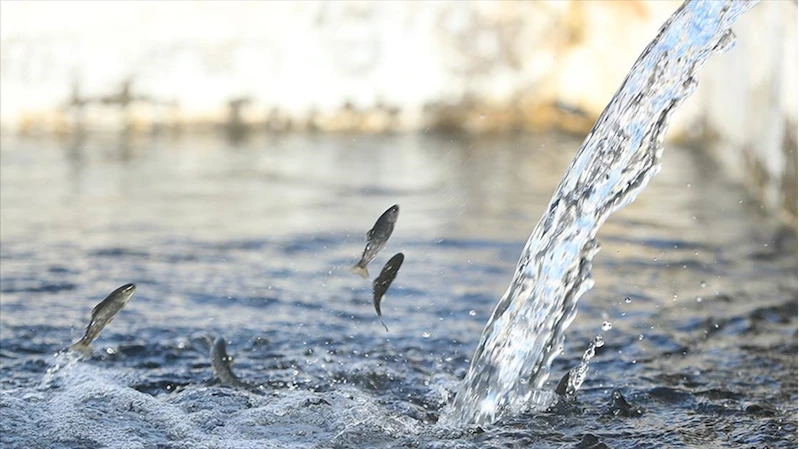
450,187
254,241
273,185
453,185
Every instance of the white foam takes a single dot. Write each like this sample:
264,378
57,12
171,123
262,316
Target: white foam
84,405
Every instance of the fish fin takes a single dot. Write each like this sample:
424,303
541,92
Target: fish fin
360,271
82,348
369,234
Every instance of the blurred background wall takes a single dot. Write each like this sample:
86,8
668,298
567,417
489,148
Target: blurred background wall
478,67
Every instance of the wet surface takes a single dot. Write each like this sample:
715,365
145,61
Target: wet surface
255,242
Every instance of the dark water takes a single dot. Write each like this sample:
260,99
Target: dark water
254,241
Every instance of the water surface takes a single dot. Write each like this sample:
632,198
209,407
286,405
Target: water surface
254,241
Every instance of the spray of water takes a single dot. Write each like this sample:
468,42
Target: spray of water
61,361
614,164
576,375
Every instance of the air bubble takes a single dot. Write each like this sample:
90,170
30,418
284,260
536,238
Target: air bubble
699,299
607,325
703,284
426,334
628,300
472,312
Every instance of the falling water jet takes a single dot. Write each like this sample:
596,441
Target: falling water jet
614,164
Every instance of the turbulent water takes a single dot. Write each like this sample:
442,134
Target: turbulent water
695,296
618,158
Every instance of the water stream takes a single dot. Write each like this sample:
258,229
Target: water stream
615,163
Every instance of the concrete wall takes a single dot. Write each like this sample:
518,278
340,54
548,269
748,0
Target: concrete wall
371,67
748,106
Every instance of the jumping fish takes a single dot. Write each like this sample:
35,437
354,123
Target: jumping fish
102,314
220,364
376,239
381,284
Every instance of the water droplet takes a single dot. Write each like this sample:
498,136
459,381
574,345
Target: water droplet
698,299
472,312
607,325
703,284
599,341
628,300
426,334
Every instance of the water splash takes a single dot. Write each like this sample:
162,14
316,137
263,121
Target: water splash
62,361
616,161
576,375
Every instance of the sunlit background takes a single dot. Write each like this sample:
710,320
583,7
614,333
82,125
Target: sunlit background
247,68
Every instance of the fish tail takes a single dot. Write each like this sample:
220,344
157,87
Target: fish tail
360,270
82,348
383,323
